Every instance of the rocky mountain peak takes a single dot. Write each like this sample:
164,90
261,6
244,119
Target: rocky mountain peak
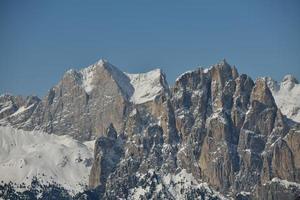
223,62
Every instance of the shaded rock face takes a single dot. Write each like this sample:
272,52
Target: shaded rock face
106,156
215,130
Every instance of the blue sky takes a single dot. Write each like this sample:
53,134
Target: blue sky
40,40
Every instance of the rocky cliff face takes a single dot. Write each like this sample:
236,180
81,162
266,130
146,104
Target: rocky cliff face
214,135
217,127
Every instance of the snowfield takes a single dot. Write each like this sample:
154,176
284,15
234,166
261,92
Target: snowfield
50,158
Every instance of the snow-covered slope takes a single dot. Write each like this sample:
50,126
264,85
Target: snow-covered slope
50,158
146,85
287,96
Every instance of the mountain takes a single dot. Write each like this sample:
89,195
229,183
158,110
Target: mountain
215,134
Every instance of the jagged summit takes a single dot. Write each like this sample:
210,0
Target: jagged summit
223,68
223,62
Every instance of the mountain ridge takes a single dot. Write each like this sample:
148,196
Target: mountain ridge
214,125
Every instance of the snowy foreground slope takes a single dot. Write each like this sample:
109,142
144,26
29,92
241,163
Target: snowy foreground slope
50,158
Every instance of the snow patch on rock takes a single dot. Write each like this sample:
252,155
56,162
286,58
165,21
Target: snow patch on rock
87,78
287,96
285,183
22,109
146,86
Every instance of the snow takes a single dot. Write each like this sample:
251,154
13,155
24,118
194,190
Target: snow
287,96
146,86
218,114
137,192
22,109
204,70
244,193
52,158
186,180
6,106
133,113
87,78
176,184
285,183
247,151
183,74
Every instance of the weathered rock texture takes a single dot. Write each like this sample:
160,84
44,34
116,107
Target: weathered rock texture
215,130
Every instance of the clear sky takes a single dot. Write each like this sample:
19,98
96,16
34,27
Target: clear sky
40,40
